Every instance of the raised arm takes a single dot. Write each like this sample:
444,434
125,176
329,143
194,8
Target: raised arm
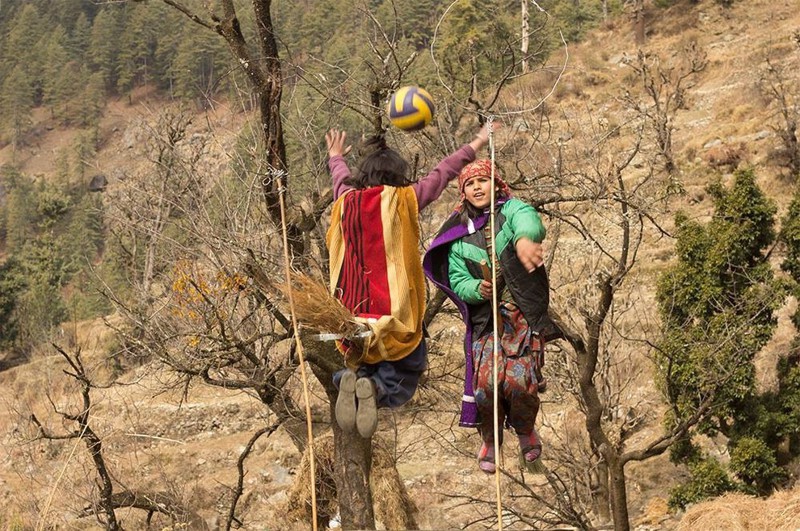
430,187
337,149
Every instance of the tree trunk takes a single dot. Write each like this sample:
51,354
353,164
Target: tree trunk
601,497
619,496
291,419
638,22
352,464
106,488
587,355
267,79
352,453
270,89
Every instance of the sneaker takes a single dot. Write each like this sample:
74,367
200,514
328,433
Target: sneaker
486,458
367,413
346,402
531,446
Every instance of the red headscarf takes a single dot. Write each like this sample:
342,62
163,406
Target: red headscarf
482,168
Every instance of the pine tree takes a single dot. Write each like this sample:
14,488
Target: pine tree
16,103
82,245
138,44
718,306
12,283
199,60
104,45
59,85
73,15
26,28
20,209
40,306
79,39
477,44
26,48
90,101
414,20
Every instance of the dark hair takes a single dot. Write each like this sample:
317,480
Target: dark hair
379,165
469,212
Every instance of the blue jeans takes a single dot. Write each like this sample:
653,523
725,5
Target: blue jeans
395,381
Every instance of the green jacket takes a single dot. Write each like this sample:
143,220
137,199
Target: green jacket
515,219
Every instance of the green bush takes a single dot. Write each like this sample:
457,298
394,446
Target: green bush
708,480
754,463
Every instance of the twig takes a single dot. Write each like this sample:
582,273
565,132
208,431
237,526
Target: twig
237,492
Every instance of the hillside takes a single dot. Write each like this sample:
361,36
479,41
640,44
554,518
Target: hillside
160,435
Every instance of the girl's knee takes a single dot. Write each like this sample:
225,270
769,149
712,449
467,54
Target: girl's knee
483,397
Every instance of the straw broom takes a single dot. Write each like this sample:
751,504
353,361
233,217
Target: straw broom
318,310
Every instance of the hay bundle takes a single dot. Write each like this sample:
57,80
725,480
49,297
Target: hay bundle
780,512
785,513
299,502
392,505
318,310
729,513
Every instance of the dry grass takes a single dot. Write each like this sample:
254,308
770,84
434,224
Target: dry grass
780,512
393,508
316,309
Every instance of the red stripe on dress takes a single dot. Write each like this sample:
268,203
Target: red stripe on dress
353,291
364,281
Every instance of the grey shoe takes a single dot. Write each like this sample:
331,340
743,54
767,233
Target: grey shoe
367,414
346,402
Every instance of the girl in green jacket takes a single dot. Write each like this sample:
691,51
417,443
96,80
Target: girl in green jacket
458,262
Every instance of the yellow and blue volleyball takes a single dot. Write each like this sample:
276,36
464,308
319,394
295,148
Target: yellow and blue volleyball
410,108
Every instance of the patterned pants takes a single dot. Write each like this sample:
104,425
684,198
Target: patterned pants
516,376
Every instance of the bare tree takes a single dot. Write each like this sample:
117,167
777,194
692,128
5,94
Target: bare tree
607,194
142,208
525,29
665,90
778,86
604,211
235,354
239,489
210,314
109,498
217,315
638,17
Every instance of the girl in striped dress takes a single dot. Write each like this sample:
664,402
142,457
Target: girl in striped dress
376,270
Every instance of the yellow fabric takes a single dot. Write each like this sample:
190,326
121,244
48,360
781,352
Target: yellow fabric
394,336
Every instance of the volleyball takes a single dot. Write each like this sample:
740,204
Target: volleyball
410,108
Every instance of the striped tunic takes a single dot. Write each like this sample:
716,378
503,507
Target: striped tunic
376,270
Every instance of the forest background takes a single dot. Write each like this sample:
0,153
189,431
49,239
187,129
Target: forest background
147,357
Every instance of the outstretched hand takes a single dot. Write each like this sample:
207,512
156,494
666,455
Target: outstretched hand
482,136
336,143
529,253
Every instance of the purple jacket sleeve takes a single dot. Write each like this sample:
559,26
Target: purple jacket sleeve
430,187
339,172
